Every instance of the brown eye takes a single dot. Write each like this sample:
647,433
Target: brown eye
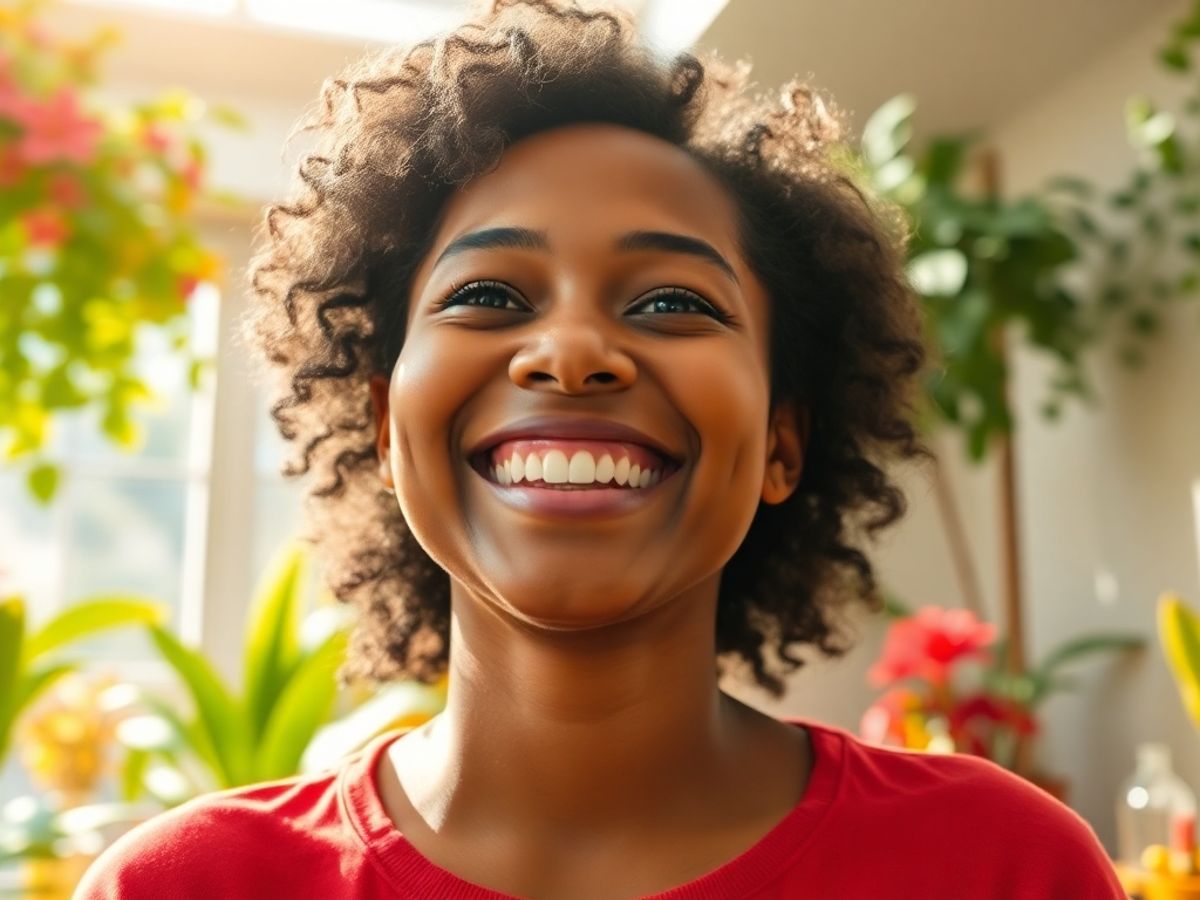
677,301
487,294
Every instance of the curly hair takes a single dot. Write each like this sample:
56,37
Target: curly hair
399,131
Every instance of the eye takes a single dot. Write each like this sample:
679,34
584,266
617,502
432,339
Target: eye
678,301
486,294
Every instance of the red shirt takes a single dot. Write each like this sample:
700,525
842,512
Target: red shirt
874,823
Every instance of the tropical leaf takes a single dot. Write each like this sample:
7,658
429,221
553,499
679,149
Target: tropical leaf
1179,632
91,616
271,651
220,720
38,678
12,629
304,704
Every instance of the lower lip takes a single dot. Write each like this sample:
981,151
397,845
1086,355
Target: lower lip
576,502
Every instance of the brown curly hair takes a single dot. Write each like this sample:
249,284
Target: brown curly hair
400,130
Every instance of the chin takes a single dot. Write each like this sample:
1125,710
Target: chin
568,605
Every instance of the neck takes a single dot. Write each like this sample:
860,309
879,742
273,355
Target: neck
578,730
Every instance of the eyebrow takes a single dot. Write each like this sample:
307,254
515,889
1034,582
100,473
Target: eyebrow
528,239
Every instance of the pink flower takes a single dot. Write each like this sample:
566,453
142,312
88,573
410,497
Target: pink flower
57,130
927,644
45,227
156,139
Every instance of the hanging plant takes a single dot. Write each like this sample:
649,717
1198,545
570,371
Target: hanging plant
96,239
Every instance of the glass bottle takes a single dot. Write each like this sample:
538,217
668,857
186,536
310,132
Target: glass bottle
1148,802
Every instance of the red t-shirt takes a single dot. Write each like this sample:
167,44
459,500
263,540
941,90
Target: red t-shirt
874,824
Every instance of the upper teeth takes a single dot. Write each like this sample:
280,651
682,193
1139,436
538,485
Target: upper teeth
553,467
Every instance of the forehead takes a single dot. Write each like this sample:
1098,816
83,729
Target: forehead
593,179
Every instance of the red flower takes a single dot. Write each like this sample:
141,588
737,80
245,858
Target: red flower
974,720
45,228
12,168
66,191
927,644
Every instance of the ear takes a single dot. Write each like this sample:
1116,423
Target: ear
383,434
787,437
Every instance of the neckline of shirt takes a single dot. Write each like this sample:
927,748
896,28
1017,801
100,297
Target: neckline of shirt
413,875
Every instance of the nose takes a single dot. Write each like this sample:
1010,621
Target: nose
572,358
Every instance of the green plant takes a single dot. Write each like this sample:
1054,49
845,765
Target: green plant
288,692
980,264
96,241
31,662
1179,635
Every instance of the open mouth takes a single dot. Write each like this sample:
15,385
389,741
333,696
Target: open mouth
567,465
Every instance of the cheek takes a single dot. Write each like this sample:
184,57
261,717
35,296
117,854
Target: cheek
426,395
725,397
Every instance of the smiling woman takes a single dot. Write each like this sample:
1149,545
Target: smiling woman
594,363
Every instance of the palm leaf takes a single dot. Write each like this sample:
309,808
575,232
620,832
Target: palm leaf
303,706
271,643
220,721
93,615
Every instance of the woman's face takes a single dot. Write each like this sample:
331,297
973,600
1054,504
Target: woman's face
583,317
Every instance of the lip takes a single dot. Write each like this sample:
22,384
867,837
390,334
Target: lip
557,427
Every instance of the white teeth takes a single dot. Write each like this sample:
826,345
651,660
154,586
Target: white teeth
604,469
582,469
554,467
533,467
621,472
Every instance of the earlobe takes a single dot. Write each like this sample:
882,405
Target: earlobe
787,438
379,385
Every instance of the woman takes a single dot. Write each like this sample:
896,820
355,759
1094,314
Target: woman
593,363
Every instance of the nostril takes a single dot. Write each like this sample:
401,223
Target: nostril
541,376
602,377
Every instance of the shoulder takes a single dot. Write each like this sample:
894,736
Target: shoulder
212,840
966,805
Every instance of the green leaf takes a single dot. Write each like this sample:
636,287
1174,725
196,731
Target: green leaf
1088,645
271,648
43,482
889,129
133,770
303,706
91,616
1175,58
219,717
229,117
1179,634
38,678
12,630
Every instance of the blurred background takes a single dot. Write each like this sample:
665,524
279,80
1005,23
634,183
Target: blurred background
1040,592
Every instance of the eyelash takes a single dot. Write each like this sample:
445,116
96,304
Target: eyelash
459,295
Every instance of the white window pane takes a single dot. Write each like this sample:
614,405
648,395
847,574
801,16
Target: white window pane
126,536
277,508
31,559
